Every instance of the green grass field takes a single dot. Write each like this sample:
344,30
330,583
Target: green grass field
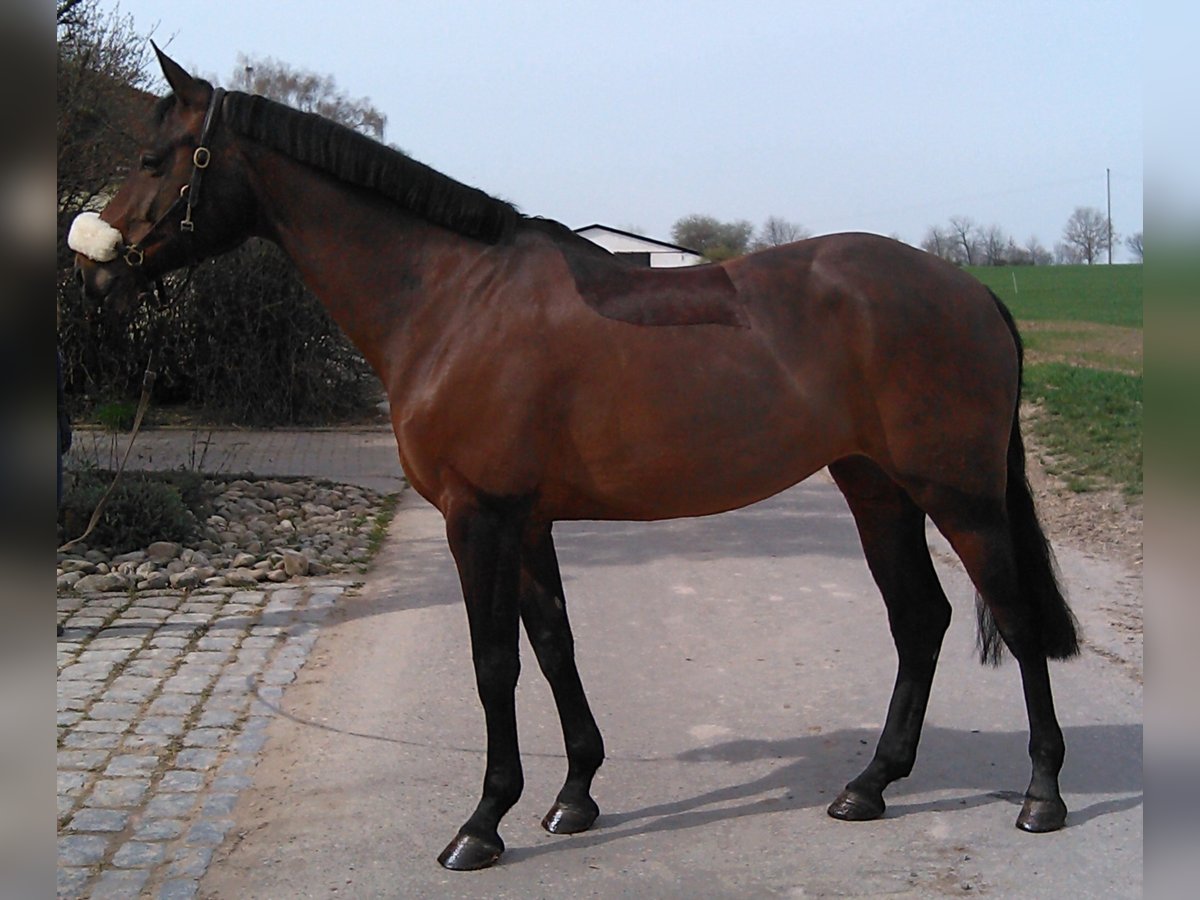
1082,327
1105,295
1090,422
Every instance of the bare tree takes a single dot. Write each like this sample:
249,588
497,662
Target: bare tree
102,101
940,243
1067,254
1087,233
307,91
965,234
1016,255
1134,243
1038,254
994,246
777,230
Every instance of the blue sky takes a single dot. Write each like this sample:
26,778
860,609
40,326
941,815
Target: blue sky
876,116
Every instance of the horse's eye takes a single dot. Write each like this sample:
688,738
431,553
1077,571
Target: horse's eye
151,162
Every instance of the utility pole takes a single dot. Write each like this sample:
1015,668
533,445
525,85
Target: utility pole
1108,188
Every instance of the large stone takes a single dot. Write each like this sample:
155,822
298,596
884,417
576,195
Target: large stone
69,579
243,577
161,551
295,563
188,578
244,560
154,581
102,582
273,490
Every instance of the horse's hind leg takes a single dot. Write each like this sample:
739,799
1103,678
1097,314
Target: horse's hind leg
983,537
892,530
544,612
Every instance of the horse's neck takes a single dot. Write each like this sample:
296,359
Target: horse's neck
369,263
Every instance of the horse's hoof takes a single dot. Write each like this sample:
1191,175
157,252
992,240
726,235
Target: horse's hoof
570,819
852,806
468,852
1040,816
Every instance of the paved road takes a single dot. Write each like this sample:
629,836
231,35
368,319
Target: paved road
362,456
739,667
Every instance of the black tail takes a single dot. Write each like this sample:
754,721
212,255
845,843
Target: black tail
1036,569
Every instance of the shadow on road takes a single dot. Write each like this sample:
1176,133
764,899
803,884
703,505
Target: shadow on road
416,571
983,766
1104,760
806,519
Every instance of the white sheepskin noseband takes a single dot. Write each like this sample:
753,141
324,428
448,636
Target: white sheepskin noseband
93,237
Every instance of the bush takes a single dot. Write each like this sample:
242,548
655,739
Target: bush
143,507
241,340
118,416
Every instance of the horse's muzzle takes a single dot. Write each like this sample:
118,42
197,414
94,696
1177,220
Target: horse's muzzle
97,281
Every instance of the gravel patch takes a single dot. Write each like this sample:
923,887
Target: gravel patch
259,531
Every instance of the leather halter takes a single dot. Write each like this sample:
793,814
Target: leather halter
189,194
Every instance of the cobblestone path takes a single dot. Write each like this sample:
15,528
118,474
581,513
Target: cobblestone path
163,706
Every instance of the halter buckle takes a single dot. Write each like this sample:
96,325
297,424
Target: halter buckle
133,257
201,158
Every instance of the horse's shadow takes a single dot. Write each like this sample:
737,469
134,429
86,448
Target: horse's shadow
1105,760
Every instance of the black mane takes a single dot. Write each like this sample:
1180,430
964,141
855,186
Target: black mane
357,159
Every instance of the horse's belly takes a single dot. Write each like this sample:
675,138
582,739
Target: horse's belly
692,460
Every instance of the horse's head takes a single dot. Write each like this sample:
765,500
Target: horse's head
184,201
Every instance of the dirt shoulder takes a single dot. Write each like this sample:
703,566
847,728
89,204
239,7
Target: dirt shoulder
1103,523
1098,536
1084,344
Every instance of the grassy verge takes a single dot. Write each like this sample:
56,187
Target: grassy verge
1090,421
383,518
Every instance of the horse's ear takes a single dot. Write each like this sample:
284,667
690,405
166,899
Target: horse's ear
192,91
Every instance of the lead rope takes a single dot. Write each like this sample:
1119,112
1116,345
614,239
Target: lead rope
148,378
147,386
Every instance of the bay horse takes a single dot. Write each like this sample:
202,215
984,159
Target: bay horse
535,378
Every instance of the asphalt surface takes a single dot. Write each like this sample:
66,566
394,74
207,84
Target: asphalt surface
739,667
363,456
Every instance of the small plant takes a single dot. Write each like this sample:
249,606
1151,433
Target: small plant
117,416
383,518
142,508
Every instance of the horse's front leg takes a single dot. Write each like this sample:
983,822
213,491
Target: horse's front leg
486,543
544,612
